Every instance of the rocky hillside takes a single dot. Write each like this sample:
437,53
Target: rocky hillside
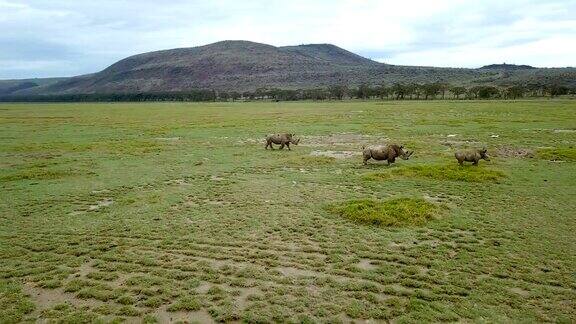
243,65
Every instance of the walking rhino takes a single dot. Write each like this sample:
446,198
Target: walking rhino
385,152
472,156
282,139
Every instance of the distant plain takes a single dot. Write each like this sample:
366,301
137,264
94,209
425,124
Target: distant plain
175,211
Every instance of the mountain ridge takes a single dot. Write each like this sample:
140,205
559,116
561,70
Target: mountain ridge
238,65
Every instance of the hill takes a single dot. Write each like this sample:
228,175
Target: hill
508,67
13,86
244,65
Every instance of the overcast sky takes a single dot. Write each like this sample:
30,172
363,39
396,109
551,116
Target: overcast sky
46,38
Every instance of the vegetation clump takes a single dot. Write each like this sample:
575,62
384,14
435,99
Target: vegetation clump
185,304
558,154
396,212
14,304
442,172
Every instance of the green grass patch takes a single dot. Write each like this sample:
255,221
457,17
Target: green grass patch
239,237
396,212
189,303
557,154
450,172
34,174
14,304
127,311
97,293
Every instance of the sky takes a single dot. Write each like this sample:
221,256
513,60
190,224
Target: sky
51,38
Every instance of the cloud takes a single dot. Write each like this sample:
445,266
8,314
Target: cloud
62,37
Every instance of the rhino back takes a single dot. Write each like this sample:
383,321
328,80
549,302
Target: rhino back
380,153
468,155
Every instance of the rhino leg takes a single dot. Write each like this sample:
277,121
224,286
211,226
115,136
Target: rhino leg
366,158
282,146
288,146
366,155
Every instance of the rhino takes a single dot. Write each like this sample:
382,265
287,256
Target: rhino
471,156
282,139
385,152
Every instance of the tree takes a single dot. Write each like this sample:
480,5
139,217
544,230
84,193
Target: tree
234,95
487,92
557,90
338,91
418,90
410,89
364,91
399,90
473,92
442,88
515,92
431,90
457,91
382,91
223,96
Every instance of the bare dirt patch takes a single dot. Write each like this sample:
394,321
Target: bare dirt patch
342,139
520,291
336,154
294,272
163,316
216,178
565,131
97,192
241,300
458,144
85,269
102,203
366,264
203,288
169,139
513,152
176,182
47,298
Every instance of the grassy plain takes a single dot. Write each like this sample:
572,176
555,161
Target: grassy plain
175,212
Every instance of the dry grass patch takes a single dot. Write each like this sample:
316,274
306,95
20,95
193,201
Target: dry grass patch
309,160
395,212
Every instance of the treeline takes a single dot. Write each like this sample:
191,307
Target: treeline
398,91
413,91
192,95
